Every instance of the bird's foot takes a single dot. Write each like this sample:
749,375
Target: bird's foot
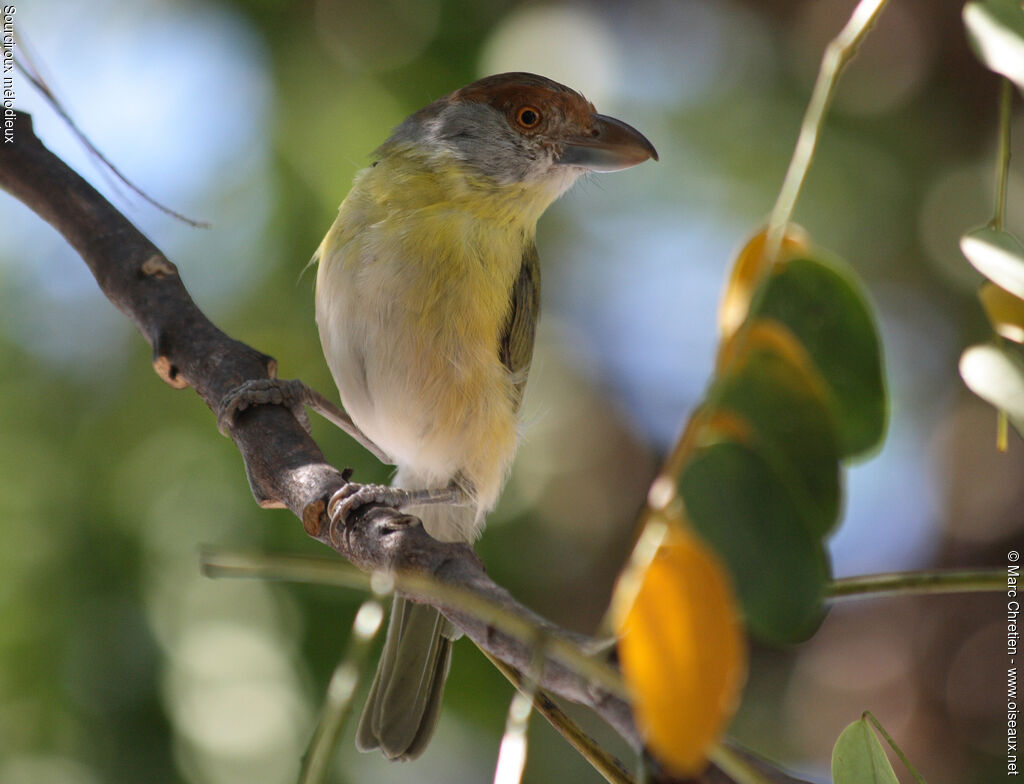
353,496
296,395
264,392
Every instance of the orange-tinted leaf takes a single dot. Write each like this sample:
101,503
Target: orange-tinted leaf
1004,310
683,652
747,272
773,336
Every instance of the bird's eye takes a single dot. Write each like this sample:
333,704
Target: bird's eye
528,117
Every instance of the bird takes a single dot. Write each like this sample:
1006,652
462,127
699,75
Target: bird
427,299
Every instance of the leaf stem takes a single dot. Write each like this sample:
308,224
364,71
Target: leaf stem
838,52
340,691
998,221
735,767
604,763
907,583
326,571
613,771
1003,158
513,748
899,752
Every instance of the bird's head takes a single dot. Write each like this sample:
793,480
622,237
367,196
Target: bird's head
520,129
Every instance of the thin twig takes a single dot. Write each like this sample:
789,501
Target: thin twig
908,583
998,221
329,571
837,54
340,691
603,762
737,766
514,744
892,744
32,74
1003,157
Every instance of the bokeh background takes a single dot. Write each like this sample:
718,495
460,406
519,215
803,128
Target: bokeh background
119,663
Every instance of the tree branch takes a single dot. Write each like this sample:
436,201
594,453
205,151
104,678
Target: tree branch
284,465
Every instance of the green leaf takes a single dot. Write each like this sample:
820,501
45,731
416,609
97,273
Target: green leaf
997,255
828,314
995,29
741,507
791,428
859,758
996,375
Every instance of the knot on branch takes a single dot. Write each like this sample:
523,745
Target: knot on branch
157,266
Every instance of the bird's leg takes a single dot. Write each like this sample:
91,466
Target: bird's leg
295,395
353,496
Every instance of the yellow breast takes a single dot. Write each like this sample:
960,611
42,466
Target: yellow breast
413,291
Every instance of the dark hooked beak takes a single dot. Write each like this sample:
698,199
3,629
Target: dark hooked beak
610,146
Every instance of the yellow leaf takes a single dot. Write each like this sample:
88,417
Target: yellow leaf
748,269
1004,310
683,652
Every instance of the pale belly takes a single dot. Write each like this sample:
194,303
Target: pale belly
417,368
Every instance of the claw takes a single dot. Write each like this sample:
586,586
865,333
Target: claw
263,392
296,395
352,496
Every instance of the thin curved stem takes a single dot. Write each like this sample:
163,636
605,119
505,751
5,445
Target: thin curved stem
1003,158
338,573
333,572
998,221
514,742
613,771
892,744
340,691
837,54
737,768
906,583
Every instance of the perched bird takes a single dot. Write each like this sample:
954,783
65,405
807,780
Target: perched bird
427,294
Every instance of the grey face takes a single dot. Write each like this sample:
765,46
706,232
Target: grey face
479,136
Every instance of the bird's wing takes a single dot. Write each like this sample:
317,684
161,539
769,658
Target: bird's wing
515,347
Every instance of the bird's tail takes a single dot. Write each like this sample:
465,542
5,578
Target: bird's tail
404,703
